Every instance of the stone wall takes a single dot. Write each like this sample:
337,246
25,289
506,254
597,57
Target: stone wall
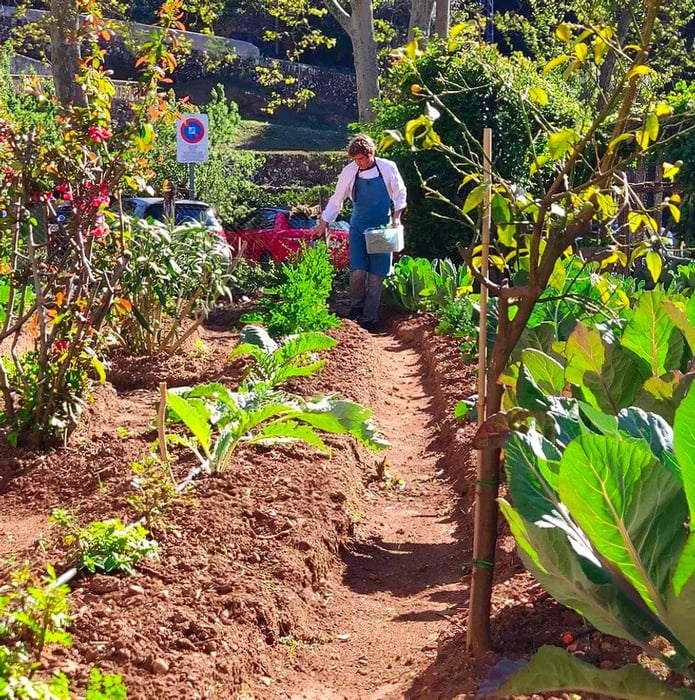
283,169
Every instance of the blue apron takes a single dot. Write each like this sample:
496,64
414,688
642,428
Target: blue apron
372,207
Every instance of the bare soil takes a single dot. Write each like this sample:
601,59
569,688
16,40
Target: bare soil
293,575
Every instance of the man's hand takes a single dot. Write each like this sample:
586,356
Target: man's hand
321,228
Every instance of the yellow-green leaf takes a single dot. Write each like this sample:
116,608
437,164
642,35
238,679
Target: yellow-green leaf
558,276
639,70
561,141
654,264
475,197
663,110
505,234
671,170
538,95
618,139
411,49
674,211
581,51
600,49
555,62
563,32
651,126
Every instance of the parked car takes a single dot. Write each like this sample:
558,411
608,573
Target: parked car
273,234
185,211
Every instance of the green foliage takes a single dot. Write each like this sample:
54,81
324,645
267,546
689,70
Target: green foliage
598,513
300,302
273,364
60,387
57,288
459,318
418,284
175,275
155,491
105,686
107,547
483,90
35,614
219,420
639,361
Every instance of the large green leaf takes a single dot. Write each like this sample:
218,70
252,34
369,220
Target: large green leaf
303,343
652,428
356,419
284,430
195,416
563,563
680,318
605,374
652,335
553,669
548,374
631,507
684,447
680,601
532,464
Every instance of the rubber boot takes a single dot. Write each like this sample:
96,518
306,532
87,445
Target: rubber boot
358,291
372,301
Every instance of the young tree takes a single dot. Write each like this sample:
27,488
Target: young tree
579,179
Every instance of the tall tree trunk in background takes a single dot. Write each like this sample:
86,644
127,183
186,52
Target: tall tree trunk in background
623,20
65,52
420,17
442,17
359,26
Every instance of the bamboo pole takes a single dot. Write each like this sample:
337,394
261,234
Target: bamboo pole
485,519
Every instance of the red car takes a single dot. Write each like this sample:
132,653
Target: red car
274,235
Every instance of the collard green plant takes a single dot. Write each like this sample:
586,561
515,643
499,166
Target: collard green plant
418,284
643,363
107,546
273,364
219,420
605,521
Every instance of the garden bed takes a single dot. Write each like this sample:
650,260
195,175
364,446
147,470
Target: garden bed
247,557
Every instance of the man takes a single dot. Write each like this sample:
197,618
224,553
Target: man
378,193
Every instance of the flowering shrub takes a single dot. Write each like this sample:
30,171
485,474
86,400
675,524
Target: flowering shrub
56,295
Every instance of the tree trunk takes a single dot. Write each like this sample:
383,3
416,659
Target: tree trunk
442,17
420,17
365,58
65,51
359,26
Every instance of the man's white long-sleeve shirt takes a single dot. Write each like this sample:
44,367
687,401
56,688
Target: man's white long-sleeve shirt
345,187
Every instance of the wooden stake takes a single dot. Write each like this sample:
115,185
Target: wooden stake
485,521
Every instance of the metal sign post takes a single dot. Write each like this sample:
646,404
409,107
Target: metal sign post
192,145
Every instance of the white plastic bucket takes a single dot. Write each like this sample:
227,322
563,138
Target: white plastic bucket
384,240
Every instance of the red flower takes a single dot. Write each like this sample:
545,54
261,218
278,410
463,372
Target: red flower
62,190
99,133
60,346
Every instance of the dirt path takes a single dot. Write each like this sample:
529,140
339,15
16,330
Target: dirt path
402,577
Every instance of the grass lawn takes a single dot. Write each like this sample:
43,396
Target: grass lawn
266,136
